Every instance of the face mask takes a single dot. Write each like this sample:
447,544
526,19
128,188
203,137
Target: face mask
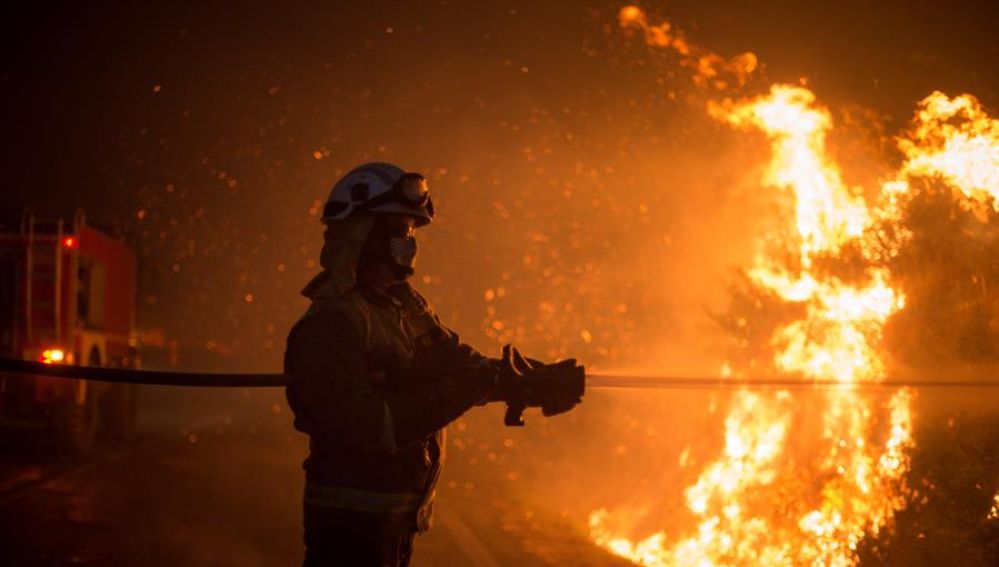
403,252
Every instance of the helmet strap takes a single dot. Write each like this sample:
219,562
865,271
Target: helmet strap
378,249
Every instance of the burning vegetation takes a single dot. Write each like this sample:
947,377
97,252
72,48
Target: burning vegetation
831,296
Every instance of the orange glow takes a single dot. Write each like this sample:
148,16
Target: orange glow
70,242
851,479
630,14
52,356
839,334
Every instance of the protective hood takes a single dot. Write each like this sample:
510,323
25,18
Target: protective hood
342,244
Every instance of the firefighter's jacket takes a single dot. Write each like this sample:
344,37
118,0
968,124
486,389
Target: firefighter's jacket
373,382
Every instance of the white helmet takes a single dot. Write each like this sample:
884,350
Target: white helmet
380,188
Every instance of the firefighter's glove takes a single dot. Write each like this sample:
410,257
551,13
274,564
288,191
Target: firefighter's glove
566,384
523,383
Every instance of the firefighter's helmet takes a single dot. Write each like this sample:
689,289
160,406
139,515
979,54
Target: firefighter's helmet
381,188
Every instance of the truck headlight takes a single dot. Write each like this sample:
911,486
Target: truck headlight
52,356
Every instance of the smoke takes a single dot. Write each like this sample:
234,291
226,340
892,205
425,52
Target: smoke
595,219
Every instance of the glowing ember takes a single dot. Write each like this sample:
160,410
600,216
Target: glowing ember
994,511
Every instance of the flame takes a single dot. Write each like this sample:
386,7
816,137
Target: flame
994,511
710,70
955,140
843,322
827,214
758,502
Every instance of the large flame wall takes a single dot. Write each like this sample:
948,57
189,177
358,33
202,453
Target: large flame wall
851,479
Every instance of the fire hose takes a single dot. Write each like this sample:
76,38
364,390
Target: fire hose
29,368
514,412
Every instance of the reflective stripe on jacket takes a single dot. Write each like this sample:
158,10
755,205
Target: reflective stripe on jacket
362,500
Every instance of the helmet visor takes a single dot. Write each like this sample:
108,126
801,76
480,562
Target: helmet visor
412,189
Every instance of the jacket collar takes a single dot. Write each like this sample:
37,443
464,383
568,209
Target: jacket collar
376,296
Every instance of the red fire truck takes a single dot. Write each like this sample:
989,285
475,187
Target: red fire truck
67,295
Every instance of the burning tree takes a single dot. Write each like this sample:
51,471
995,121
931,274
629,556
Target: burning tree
854,286
930,236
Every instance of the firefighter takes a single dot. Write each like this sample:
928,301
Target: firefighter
375,376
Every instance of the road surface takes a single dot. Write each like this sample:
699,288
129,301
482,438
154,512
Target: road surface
214,479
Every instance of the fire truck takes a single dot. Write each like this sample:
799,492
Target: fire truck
68,296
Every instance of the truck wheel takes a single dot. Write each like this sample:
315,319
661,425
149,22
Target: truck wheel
75,426
118,413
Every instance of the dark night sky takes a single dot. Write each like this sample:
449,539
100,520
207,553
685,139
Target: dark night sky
77,81
249,91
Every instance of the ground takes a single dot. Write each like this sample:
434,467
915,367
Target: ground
215,479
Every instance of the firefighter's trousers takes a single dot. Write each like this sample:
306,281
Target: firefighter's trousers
350,539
